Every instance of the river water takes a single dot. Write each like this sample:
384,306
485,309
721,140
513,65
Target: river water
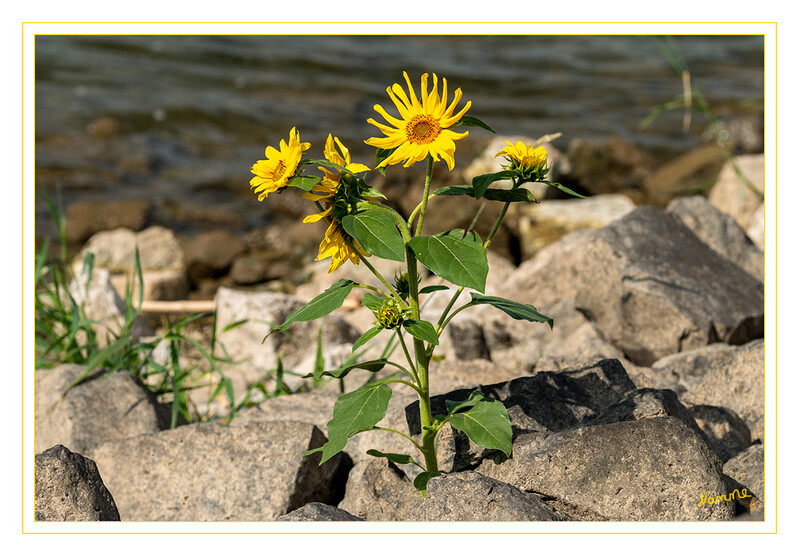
183,118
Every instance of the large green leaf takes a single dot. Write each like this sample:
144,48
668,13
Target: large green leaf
377,233
421,330
306,183
486,424
354,412
474,122
454,257
482,181
474,397
321,305
519,311
517,195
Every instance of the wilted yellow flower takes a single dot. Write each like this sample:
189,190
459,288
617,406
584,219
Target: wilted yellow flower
423,127
279,167
530,162
333,194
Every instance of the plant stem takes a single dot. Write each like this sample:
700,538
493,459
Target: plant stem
415,375
428,177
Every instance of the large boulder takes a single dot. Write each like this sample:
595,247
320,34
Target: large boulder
644,470
736,382
748,469
470,496
720,232
377,490
252,471
101,408
684,370
732,195
317,511
724,431
68,487
649,284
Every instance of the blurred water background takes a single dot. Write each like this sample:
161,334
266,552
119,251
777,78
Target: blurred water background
180,119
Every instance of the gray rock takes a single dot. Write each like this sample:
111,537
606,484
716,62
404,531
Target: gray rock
546,401
251,471
683,371
736,382
101,408
649,284
731,196
317,511
69,488
748,469
469,496
719,231
644,470
210,254
95,294
262,310
724,431
377,490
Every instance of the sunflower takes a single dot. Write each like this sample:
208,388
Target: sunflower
334,191
530,162
279,167
423,127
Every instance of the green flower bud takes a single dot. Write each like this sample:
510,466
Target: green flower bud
390,315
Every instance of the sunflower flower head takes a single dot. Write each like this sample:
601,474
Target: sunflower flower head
338,193
423,128
529,162
279,167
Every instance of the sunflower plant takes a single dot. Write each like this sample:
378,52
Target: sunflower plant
360,226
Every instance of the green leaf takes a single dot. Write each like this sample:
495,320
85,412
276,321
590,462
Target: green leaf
562,188
396,458
421,330
341,372
421,480
380,156
321,305
435,288
517,195
474,122
519,311
372,301
355,412
482,181
486,424
366,336
454,257
305,183
377,233
327,164
474,398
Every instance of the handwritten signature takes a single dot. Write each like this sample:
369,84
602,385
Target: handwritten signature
706,498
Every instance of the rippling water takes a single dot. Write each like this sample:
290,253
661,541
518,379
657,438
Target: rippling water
184,117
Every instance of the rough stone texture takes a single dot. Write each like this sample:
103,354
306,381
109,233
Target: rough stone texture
719,231
469,496
645,470
540,225
316,511
546,401
748,469
649,284
99,409
101,303
731,196
250,471
683,371
262,310
724,431
736,382
69,488
210,254
377,490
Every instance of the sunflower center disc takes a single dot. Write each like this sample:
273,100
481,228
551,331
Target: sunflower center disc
422,129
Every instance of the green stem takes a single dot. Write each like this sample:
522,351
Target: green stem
405,382
427,178
415,375
495,229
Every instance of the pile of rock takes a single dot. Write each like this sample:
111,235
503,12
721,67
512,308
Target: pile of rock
644,403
